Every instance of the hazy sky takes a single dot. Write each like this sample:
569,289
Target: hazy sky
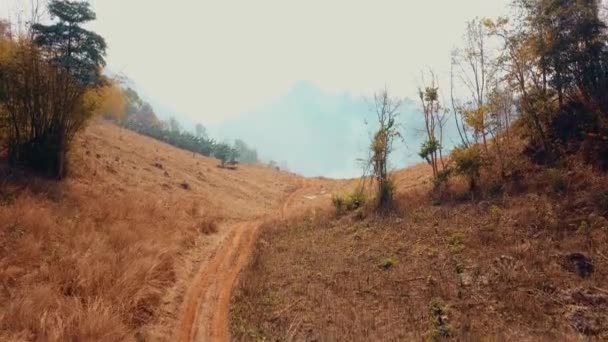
212,60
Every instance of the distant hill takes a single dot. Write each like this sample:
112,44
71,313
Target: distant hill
322,133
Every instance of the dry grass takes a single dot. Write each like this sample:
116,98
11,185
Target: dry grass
108,254
485,270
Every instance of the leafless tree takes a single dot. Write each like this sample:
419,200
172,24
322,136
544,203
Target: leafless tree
457,108
475,71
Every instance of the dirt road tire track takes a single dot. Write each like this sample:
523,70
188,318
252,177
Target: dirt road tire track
206,307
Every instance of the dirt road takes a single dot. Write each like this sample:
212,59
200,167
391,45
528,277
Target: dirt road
206,308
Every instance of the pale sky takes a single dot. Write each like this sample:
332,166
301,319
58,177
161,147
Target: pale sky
212,60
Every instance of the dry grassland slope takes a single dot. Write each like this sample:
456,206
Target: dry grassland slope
109,253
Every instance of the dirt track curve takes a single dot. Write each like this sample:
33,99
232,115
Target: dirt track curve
206,308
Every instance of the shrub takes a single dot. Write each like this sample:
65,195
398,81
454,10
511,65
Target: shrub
468,161
338,202
356,199
438,320
226,154
496,189
351,202
556,180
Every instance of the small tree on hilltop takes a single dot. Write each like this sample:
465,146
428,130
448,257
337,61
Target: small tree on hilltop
226,154
387,110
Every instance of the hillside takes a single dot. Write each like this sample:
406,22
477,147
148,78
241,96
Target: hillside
146,242
109,253
527,263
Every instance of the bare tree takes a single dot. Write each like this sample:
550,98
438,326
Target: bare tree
457,108
501,104
475,71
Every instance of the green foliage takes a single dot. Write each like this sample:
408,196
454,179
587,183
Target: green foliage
76,50
428,149
225,153
145,122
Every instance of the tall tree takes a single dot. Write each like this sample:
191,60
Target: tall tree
79,51
475,69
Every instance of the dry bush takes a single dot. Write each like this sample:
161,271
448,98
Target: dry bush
353,201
